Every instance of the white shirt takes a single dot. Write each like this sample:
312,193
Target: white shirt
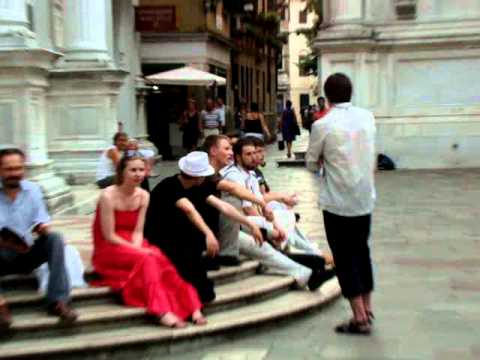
245,178
105,167
221,112
345,140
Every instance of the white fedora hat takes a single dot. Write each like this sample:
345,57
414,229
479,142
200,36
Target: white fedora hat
196,164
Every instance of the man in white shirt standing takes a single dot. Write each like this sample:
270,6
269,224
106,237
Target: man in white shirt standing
344,144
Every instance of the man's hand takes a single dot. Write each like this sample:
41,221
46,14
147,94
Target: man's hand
212,245
268,214
41,229
279,234
257,234
290,200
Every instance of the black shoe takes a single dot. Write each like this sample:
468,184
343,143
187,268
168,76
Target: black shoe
354,328
5,318
211,263
63,311
319,277
226,260
297,217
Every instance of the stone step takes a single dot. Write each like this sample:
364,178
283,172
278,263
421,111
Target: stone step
22,297
300,155
291,162
102,316
148,340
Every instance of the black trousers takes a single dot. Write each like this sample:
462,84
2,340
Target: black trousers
185,252
348,240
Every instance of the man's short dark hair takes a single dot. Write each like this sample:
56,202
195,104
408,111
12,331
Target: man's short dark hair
118,135
11,151
211,141
257,141
338,88
240,144
320,98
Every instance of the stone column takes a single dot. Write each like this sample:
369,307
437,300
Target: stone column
23,83
14,30
86,35
83,97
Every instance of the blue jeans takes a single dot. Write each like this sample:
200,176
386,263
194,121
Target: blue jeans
47,248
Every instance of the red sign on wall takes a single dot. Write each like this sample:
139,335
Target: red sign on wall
155,18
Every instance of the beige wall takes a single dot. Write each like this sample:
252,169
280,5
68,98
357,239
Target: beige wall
297,46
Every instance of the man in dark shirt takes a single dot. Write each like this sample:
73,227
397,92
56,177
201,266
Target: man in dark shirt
174,222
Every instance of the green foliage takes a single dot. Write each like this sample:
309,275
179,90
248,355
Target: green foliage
309,63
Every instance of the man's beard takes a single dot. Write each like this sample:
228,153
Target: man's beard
249,167
11,183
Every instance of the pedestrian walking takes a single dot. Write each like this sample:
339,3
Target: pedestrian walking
344,141
289,126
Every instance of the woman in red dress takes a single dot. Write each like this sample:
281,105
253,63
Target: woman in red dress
128,263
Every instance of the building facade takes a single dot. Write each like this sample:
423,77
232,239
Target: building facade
255,28
68,73
298,86
414,64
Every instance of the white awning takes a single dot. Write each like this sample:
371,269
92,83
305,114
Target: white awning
187,76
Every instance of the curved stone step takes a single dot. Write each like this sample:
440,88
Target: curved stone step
29,298
291,162
152,340
109,315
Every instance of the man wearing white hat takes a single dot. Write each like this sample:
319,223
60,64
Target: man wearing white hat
174,223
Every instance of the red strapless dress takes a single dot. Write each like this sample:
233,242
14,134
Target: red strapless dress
145,280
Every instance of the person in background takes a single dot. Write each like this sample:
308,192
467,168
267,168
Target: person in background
109,160
322,109
220,106
240,116
254,124
134,149
344,141
23,212
127,262
190,125
288,125
210,119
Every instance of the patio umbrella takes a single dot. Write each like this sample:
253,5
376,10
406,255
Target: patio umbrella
187,76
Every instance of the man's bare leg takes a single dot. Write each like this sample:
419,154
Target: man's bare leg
358,309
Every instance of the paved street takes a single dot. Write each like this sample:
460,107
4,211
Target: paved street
426,251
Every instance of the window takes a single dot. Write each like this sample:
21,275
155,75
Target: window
302,71
302,16
304,100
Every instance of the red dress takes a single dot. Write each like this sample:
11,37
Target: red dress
146,280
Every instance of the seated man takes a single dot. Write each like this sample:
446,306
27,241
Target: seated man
109,160
22,211
281,204
175,225
234,242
